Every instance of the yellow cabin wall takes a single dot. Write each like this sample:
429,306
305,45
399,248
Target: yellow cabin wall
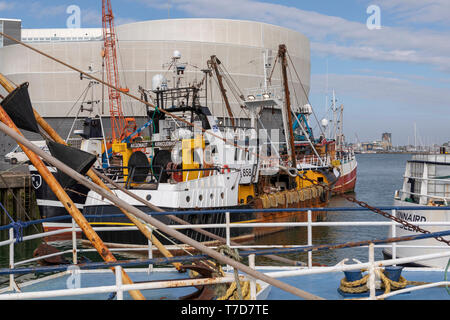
313,175
244,192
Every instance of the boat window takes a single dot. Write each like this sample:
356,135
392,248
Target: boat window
16,149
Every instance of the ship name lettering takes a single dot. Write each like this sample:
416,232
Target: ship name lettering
411,218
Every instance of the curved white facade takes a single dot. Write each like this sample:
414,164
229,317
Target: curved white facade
143,49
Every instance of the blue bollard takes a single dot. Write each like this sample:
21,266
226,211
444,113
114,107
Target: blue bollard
393,272
353,275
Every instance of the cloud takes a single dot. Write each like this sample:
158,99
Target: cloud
334,35
40,11
91,18
374,104
120,20
405,94
6,5
419,11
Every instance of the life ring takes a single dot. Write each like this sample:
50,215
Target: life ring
227,168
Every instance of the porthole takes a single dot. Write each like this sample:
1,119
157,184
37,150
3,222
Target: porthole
222,195
200,197
188,199
148,197
211,196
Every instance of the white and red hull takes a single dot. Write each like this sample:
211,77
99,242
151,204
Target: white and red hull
347,180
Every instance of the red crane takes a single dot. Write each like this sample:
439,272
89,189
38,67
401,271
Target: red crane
119,124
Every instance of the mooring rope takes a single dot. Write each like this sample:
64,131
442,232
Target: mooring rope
16,225
361,286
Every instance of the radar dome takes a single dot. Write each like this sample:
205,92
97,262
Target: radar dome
176,54
324,122
158,81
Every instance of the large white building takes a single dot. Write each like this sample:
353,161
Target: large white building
144,47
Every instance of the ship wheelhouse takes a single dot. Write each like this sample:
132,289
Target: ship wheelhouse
426,180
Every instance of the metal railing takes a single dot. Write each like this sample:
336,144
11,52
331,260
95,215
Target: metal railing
309,224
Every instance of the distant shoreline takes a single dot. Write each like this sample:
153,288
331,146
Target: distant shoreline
392,152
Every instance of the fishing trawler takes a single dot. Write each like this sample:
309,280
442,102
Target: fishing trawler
204,167
191,162
425,183
341,155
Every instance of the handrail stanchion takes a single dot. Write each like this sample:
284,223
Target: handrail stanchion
372,271
119,282
251,264
228,233
11,257
394,235
74,243
310,238
150,252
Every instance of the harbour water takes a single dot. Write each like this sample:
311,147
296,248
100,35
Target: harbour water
379,175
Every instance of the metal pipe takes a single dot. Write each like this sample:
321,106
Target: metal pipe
372,271
11,257
74,243
138,213
113,288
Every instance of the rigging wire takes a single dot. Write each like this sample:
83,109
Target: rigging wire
304,91
85,92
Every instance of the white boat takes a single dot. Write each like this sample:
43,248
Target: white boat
426,183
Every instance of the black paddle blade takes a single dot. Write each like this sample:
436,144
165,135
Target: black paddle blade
78,160
18,107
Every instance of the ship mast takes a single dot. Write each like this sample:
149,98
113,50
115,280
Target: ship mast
214,62
287,105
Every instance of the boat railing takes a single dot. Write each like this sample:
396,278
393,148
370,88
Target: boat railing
416,197
306,161
313,160
252,250
437,158
139,175
345,157
272,92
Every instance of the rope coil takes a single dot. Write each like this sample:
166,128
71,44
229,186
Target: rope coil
361,286
238,290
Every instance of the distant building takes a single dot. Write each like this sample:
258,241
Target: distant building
386,141
11,27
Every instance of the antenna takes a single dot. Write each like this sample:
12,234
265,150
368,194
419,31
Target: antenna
326,89
168,9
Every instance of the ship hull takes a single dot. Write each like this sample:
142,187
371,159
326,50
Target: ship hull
347,180
208,193
103,215
418,247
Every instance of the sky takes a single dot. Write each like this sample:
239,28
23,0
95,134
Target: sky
388,61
